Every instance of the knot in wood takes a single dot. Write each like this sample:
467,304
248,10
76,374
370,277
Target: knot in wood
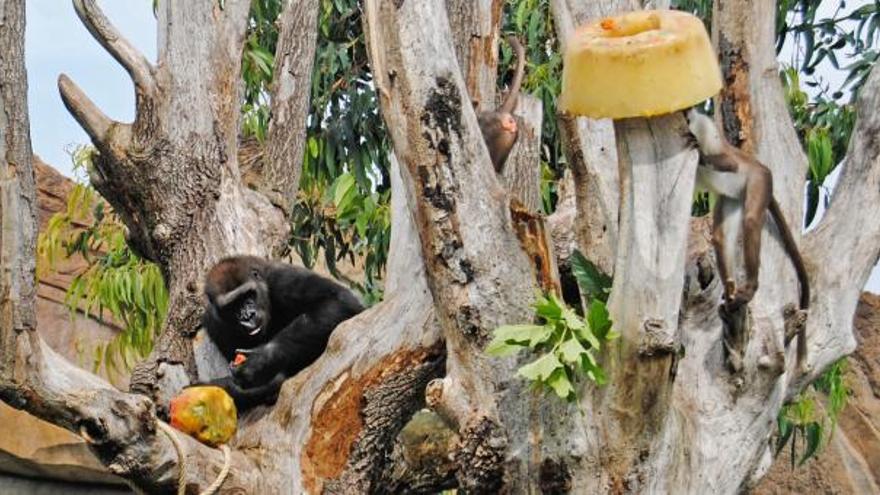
161,233
655,338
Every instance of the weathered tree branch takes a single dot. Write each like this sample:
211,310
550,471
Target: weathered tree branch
657,173
463,221
18,232
522,173
138,67
96,124
475,26
119,428
849,225
846,244
291,91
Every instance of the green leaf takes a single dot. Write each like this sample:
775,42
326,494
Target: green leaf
571,351
814,439
586,335
517,333
560,383
571,319
500,348
540,369
599,320
593,370
548,308
541,336
508,339
592,282
343,191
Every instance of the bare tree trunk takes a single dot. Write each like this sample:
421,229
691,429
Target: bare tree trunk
522,173
475,27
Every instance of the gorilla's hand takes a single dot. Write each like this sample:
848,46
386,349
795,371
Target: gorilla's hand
260,366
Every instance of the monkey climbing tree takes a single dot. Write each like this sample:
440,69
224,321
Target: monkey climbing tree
465,257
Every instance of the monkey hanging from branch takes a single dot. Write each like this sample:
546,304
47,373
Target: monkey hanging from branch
499,127
744,189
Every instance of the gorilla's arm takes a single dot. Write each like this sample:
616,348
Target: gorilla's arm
245,398
296,346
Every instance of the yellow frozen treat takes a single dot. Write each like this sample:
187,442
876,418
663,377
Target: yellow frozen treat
638,64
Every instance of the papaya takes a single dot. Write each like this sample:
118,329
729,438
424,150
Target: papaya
206,413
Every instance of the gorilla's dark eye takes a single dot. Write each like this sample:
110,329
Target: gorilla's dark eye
255,274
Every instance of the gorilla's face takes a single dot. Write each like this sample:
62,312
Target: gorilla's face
247,308
249,315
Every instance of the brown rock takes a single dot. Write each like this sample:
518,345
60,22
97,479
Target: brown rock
30,447
850,463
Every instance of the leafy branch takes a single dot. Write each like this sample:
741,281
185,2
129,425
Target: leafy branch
566,341
567,344
812,422
113,280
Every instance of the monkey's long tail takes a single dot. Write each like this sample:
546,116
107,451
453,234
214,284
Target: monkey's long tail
798,262
792,250
509,103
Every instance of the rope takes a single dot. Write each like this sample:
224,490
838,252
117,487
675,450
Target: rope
181,462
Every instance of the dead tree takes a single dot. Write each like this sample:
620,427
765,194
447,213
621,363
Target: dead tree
466,256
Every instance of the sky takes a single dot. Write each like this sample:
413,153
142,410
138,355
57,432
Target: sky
57,42
53,130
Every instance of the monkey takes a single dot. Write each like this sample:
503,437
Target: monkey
744,189
499,127
269,320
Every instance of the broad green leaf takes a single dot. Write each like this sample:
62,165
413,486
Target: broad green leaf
813,435
517,333
500,348
541,336
571,319
599,319
540,369
571,351
593,370
343,192
592,282
559,382
586,335
548,308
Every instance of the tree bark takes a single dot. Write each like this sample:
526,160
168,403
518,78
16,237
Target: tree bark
475,26
522,173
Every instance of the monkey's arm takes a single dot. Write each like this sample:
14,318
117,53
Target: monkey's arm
723,162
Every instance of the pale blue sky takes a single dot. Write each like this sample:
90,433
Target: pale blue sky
57,42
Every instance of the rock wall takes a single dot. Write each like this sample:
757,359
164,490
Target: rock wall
35,456
850,463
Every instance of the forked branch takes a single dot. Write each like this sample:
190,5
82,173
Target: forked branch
140,69
96,124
